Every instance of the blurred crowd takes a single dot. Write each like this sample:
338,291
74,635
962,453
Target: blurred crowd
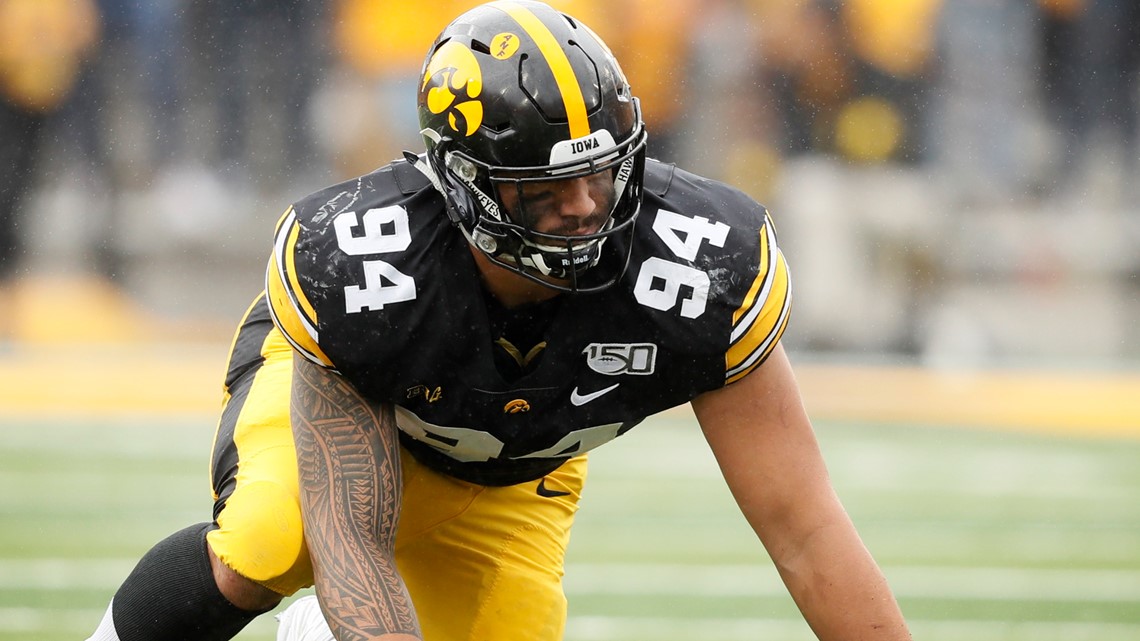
205,106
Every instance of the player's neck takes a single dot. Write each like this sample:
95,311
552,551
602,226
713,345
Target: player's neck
510,289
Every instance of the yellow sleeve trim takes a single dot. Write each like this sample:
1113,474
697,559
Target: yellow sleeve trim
757,284
763,316
292,312
291,273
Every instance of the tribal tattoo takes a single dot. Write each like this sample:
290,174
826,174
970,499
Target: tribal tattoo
348,457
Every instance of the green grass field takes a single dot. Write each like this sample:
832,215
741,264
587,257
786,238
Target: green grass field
984,534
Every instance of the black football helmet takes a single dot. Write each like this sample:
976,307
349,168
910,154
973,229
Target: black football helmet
515,92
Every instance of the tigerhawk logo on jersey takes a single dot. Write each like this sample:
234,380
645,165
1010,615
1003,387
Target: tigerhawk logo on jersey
456,84
613,359
429,394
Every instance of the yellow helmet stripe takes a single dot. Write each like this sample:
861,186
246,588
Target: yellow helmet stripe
559,65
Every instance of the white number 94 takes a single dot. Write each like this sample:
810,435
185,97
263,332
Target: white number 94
385,230
660,282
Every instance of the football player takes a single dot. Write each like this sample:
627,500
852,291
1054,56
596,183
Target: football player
440,342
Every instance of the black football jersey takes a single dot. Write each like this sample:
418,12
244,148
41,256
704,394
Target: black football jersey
371,279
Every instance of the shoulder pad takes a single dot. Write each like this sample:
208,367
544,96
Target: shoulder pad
408,179
658,176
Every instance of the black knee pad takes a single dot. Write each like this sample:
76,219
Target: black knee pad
171,595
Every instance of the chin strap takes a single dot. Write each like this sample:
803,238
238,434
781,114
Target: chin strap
421,164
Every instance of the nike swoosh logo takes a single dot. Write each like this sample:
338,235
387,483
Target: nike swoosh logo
581,399
548,493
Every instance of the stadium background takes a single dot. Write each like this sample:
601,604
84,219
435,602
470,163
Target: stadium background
955,184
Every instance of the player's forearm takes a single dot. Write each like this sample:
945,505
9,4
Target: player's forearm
839,588
351,619
363,597
350,489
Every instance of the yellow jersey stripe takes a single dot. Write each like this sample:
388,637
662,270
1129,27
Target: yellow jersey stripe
771,314
291,312
757,284
291,272
286,317
761,319
761,356
285,264
762,336
745,315
559,65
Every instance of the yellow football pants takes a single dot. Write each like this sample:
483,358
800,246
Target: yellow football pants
481,563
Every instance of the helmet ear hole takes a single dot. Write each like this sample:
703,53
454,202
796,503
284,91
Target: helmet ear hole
462,167
485,241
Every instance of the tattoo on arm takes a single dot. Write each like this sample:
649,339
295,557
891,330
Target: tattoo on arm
349,462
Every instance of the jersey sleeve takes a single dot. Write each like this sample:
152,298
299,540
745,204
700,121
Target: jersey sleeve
292,311
762,316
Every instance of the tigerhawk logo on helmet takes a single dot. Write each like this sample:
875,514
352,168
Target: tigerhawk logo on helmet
456,84
515,92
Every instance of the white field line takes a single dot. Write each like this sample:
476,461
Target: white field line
983,583
37,619
608,628
64,574
664,628
82,621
